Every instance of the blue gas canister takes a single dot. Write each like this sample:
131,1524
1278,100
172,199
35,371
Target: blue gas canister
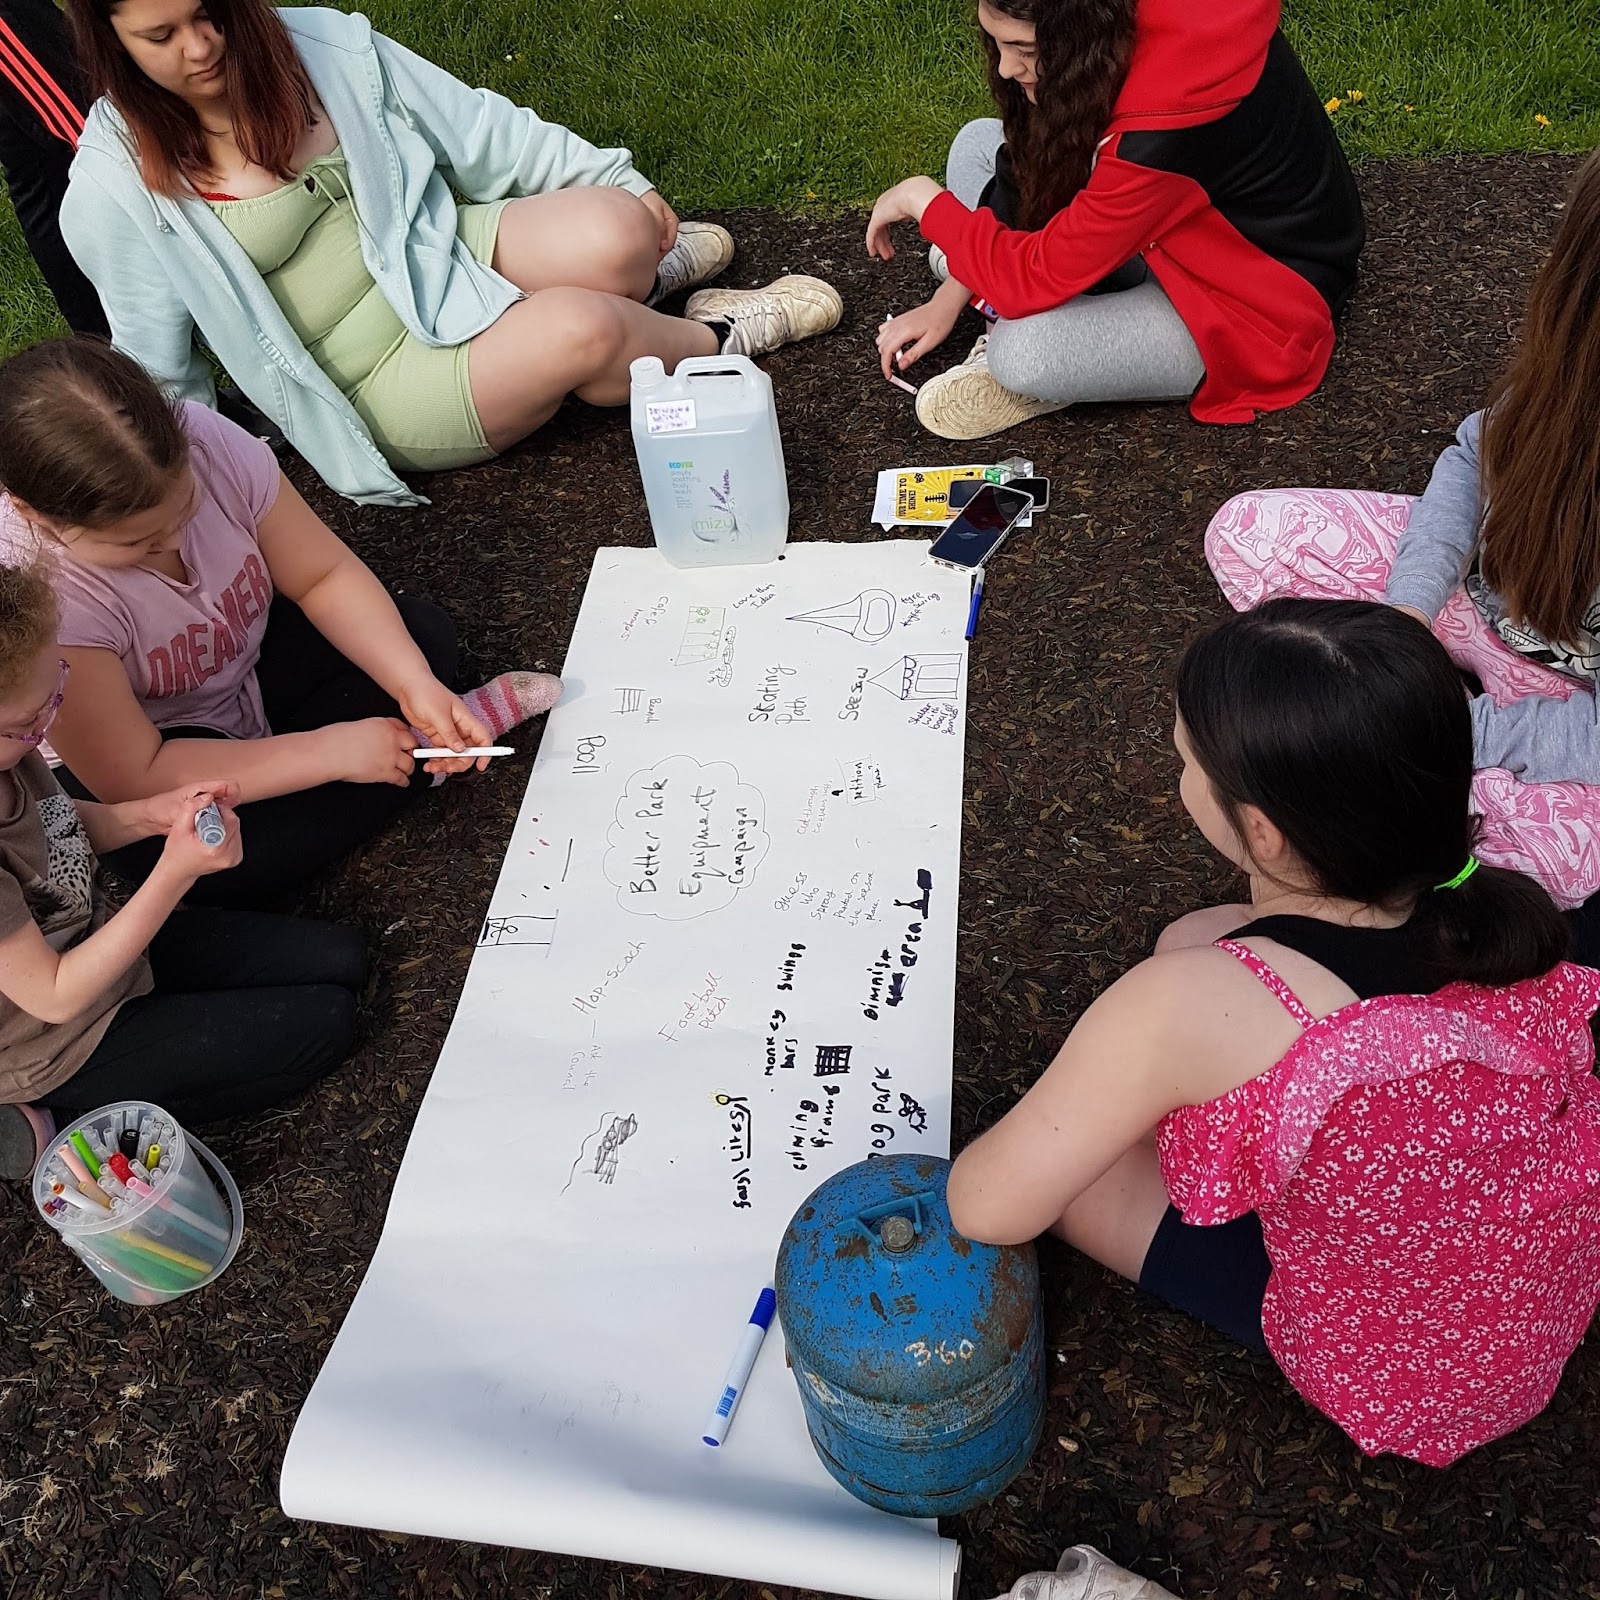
919,1354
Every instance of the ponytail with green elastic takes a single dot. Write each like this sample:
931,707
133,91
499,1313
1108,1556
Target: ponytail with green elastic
1461,877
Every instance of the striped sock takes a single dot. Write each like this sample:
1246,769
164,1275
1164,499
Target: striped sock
513,698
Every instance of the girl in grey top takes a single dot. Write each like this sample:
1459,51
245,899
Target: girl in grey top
1500,557
1543,739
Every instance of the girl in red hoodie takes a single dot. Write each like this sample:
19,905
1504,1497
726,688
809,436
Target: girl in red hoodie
1161,211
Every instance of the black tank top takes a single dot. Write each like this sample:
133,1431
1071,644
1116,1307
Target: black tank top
1372,961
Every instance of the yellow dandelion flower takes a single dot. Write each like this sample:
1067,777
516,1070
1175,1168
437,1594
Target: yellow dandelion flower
1354,96
1330,106
1541,120
1410,110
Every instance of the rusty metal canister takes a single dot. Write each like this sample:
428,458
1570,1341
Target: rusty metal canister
919,1354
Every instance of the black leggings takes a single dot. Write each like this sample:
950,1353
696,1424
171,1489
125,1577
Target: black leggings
292,838
248,1009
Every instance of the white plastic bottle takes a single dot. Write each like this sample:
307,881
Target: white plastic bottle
711,460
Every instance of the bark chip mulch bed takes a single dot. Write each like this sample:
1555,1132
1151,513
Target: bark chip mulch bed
139,1451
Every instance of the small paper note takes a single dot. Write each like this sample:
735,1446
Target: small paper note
669,416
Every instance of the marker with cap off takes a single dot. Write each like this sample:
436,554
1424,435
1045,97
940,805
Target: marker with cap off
744,1358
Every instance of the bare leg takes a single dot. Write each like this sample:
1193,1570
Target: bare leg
1116,1217
603,239
562,341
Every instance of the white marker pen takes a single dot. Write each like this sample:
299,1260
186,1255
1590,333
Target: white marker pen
445,753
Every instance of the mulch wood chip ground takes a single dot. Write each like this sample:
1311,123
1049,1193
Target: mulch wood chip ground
139,1449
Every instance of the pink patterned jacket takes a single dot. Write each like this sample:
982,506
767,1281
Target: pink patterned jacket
1427,1174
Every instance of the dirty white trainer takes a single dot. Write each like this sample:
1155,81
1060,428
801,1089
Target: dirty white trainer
786,311
701,251
938,263
1084,1574
969,402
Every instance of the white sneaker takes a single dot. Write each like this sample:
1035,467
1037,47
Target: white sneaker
701,251
968,402
760,320
1084,1574
938,263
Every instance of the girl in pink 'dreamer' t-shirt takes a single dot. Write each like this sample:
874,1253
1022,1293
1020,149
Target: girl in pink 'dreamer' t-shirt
1354,1122
214,625
210,1013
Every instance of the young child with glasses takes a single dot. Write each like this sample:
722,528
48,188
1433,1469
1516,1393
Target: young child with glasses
207,1013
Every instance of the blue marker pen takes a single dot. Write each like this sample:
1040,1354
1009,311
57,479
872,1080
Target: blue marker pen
744,1358
977,600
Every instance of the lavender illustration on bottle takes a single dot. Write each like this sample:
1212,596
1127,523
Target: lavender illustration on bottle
720,520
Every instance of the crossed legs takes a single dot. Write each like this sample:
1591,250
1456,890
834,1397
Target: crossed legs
586,258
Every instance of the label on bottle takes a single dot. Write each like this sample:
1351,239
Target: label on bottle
668,416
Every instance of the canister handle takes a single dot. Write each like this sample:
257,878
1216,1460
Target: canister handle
913,1207
716,367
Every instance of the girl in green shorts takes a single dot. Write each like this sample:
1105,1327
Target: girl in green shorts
285,183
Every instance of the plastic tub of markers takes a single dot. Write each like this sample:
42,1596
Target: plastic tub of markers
162,1225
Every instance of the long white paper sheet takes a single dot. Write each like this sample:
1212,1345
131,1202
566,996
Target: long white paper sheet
719,965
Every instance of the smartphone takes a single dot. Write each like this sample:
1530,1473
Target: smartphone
981,528
963,489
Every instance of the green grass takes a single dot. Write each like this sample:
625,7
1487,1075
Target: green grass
795,103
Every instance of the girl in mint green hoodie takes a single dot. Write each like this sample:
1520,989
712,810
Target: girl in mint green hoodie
281,184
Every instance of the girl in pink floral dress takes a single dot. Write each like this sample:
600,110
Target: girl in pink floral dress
1354,1121
1500,557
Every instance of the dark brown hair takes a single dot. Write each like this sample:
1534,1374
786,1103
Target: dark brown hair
86,437
1344,723
269,94
28,621
1084,47
1540,451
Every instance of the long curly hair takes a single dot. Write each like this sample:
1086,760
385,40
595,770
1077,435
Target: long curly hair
1084,47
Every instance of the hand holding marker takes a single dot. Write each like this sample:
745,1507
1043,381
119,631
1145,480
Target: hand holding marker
894,377
744,1358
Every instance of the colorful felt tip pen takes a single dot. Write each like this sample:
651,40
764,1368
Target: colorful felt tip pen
81,1201
123,1168
443,752
977,600
69,1159
87,1156
744,1358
